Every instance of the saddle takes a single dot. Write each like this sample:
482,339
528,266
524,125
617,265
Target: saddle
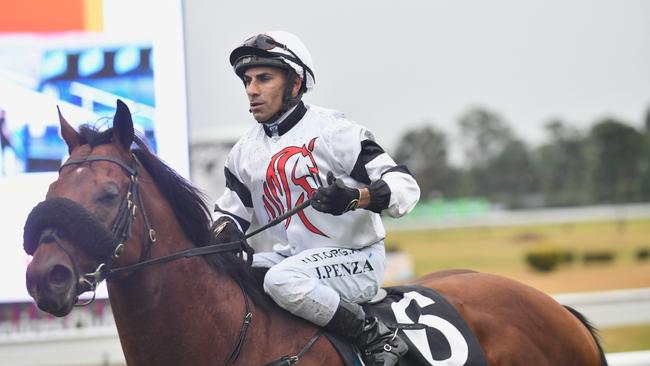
434,331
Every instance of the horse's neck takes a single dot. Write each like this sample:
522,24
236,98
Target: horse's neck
185,311
185,300
181,307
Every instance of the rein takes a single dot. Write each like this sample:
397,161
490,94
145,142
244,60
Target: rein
123,222
121,230
209,249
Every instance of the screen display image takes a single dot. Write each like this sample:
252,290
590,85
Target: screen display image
89,79
80,57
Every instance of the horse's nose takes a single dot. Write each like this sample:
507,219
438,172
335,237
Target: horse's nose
52,281
52,288
59,278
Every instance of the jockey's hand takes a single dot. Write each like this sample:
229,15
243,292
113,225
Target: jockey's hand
335,199
225,230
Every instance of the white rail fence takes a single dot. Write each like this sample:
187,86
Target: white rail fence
639,358
615,308
611,308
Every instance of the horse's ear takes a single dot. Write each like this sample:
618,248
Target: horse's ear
69,134
123,125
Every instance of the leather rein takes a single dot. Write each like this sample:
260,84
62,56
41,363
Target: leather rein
128,210
121,230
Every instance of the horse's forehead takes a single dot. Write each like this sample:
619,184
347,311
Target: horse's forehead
103,149
81,151
80,177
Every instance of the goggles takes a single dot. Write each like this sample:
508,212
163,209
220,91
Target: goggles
267,43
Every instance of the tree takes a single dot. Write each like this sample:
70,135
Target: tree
500,165
485,135
618,150
564,167
513,178
645,162
424,151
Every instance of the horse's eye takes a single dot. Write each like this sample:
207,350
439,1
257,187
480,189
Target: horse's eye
109,193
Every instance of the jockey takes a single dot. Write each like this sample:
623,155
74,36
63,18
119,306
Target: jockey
329,257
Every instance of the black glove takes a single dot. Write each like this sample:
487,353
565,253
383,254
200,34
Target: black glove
225,230
336,198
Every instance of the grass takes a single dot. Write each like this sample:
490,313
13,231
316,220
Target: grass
625,339
501,250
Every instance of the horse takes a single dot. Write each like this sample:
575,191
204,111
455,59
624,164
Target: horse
119,213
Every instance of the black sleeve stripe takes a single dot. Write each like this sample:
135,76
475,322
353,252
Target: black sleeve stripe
238,187
398,168
369,151
242,222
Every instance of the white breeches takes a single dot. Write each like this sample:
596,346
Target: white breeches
310,283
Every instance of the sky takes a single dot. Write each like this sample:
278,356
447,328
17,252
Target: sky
394,66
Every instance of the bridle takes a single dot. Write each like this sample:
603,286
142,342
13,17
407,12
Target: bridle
121,230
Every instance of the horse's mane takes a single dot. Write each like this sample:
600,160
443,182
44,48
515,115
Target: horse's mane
190,209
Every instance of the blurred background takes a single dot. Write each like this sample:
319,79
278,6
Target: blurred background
526,124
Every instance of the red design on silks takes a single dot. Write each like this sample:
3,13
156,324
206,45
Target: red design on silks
278,185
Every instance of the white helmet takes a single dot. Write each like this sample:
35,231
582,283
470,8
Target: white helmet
277,49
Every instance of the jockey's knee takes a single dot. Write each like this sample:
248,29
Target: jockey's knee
288,288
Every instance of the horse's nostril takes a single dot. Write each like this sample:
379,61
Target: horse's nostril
59,275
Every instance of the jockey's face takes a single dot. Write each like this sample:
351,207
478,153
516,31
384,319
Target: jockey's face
265,88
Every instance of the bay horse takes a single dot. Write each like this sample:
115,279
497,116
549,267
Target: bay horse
114,207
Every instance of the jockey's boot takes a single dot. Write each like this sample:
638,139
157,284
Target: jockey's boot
379,345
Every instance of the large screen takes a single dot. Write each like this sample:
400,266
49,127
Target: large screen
81,55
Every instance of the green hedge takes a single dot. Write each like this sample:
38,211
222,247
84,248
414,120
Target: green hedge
642,254
602,256
546,259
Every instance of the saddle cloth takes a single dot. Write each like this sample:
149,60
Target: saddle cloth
434,331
